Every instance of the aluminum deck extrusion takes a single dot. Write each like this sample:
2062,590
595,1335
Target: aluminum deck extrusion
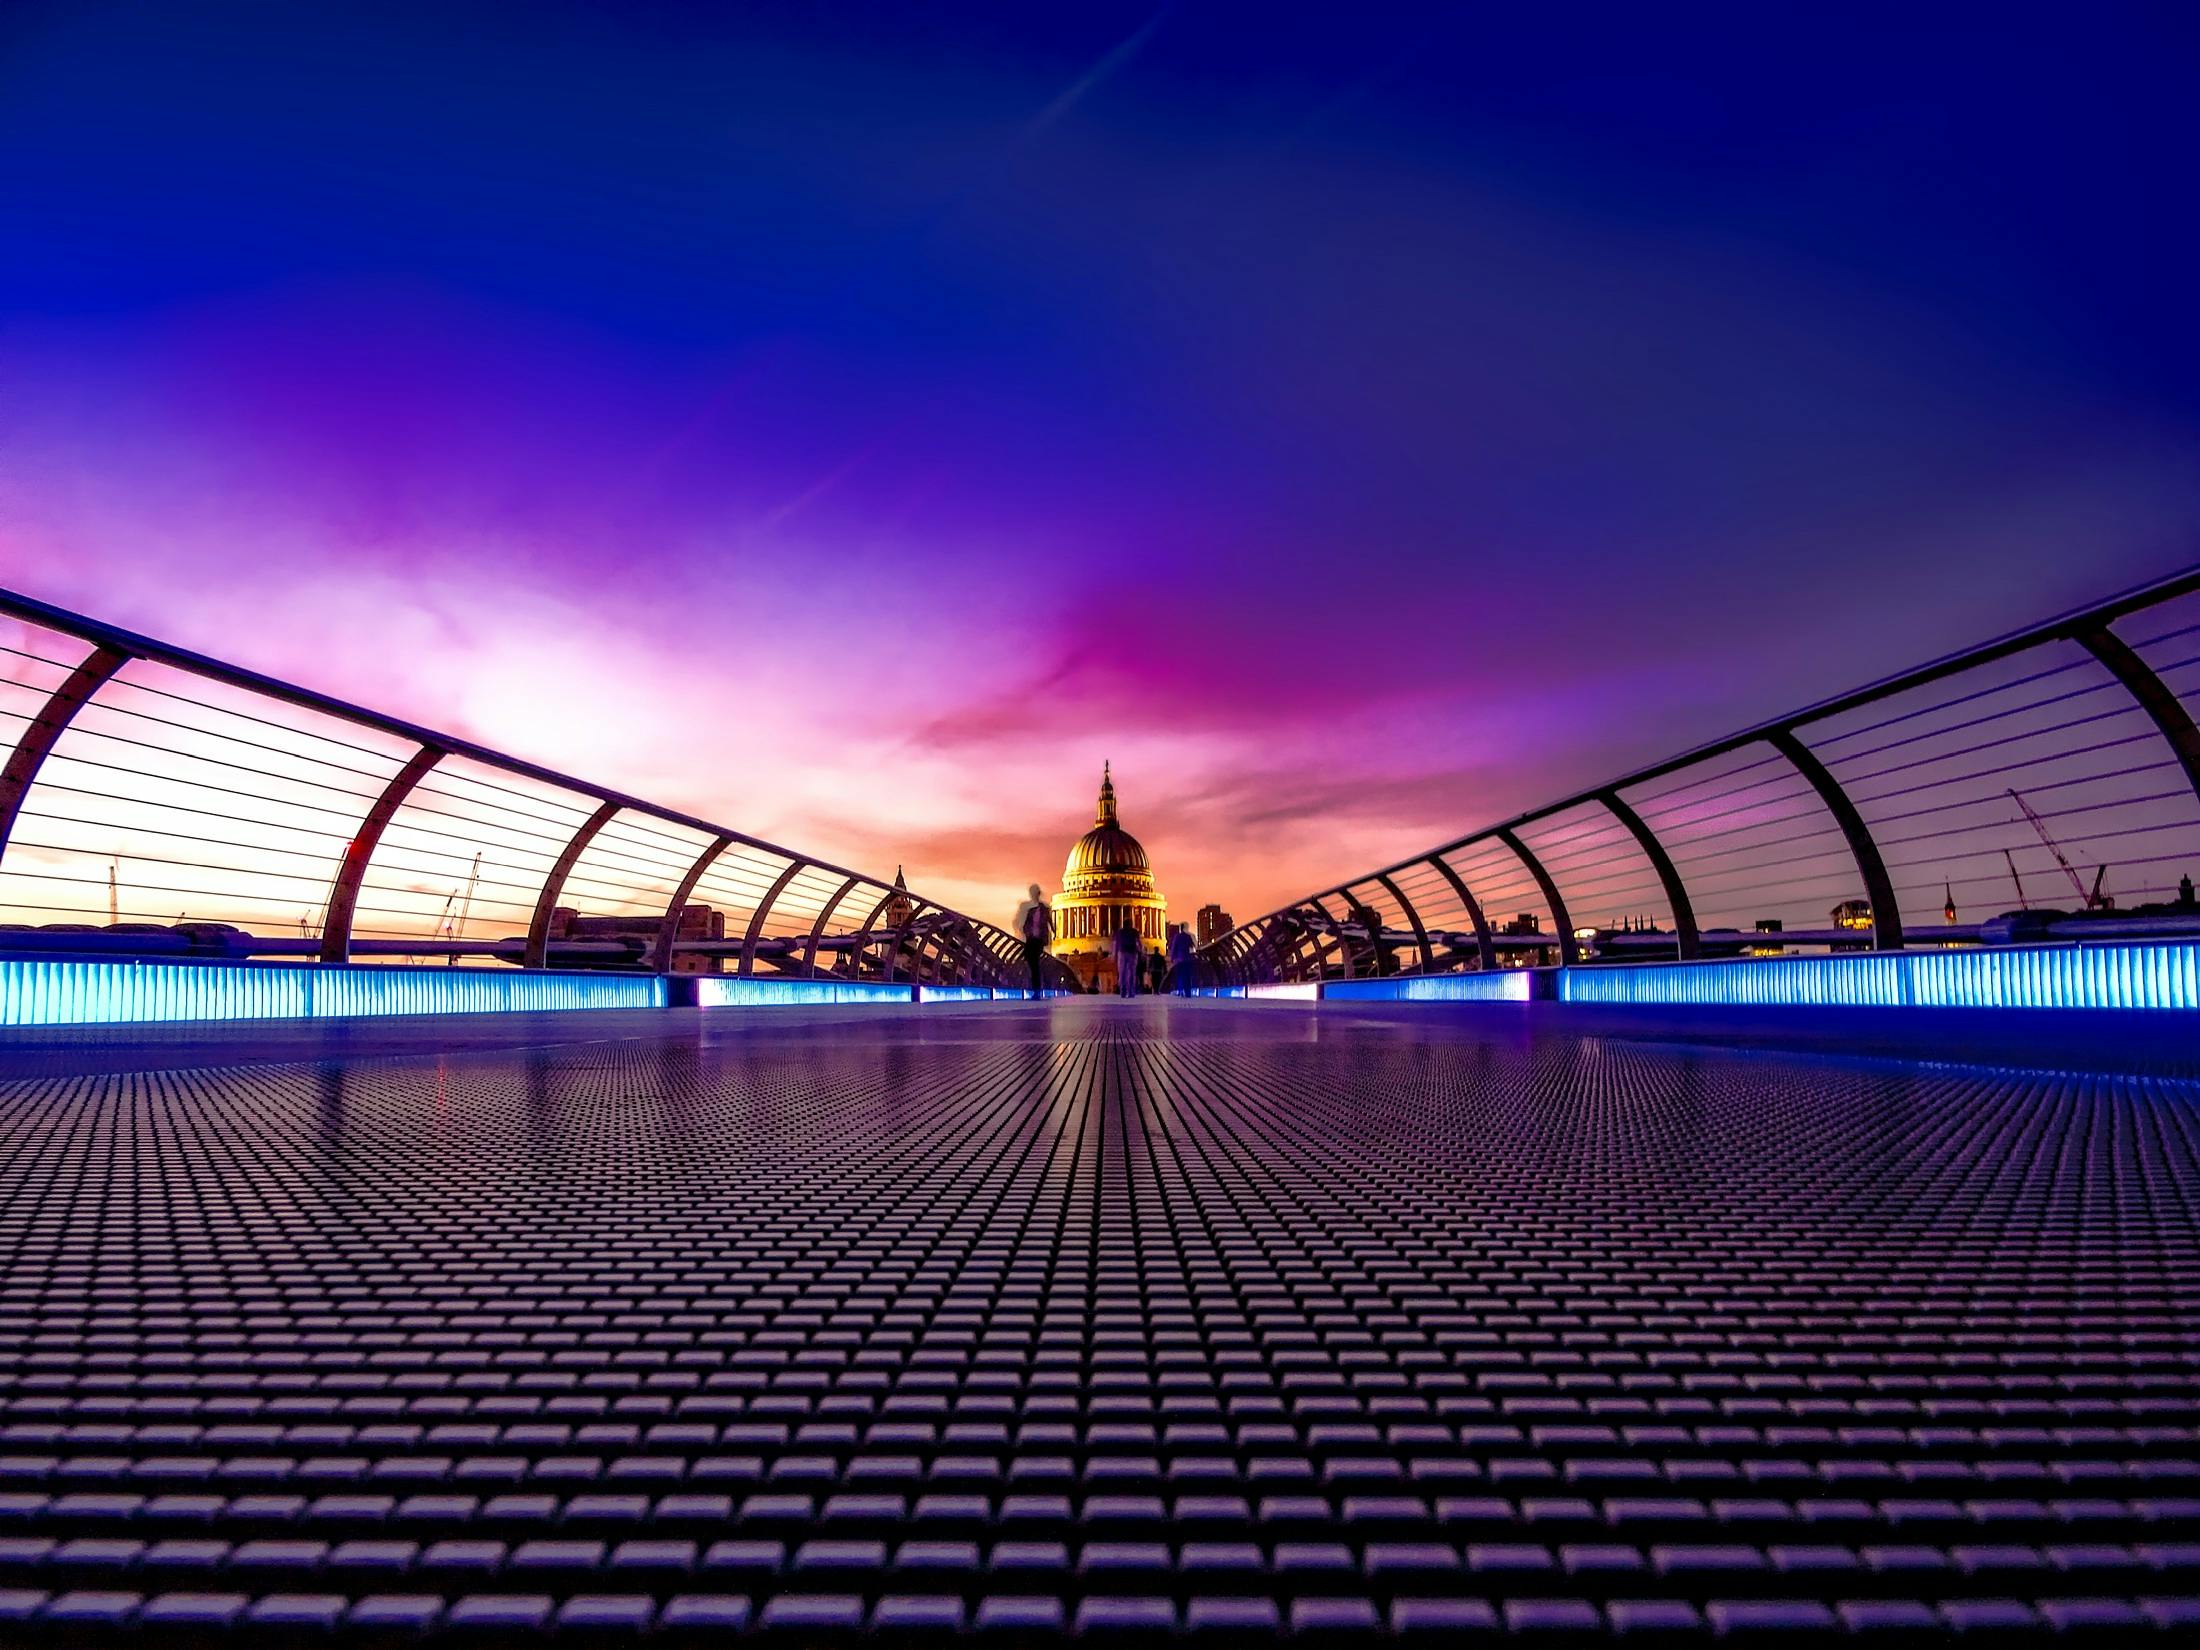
1093,1318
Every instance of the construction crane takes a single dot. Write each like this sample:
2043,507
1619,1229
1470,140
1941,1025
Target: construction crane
2091,900
457,908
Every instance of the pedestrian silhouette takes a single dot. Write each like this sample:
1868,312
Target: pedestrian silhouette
1180,961
1035,926
1127,948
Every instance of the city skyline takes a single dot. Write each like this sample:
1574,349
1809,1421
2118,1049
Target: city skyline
737,412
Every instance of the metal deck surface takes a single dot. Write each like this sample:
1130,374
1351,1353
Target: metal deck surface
1093,1318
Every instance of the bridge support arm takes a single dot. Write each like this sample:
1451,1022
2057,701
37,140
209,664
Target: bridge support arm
45,729
1878,887
2163,707
343,894
1676,891
762,911
1569,949
660,953
537,953
1420,929
1482,945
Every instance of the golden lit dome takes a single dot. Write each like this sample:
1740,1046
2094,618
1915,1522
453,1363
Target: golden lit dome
1107,850
1107,882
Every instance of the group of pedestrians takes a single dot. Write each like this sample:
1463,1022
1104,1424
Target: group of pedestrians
1035,927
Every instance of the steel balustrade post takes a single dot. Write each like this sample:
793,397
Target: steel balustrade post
351,871
817,928
869,931
2162,706
1569,950
763,910
953,955
1878,888
537,953
1669,876
1342,939
1420,929
660,952
1483,945
900,934
45,729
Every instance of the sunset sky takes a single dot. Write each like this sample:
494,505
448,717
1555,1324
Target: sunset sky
854,423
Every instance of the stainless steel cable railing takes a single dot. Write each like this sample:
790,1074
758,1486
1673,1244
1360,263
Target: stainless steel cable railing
2042,786
157,802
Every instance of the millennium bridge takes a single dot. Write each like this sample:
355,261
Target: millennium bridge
447,1201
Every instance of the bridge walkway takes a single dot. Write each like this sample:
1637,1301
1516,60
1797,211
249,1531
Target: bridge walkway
1085,1317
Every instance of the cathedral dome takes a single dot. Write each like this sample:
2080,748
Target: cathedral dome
1107,883
1107,852
1105,849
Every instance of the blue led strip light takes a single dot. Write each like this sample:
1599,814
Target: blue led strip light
2162,975
717,991
1509,986
38,992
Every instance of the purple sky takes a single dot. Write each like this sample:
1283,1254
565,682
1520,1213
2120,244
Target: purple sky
854,427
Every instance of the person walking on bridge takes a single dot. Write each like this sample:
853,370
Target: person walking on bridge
1128,959
1180,960
1035,927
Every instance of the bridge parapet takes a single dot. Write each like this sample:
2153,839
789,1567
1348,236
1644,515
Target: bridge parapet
2040,787
158,803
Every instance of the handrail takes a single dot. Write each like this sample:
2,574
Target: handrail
2126,779
153,807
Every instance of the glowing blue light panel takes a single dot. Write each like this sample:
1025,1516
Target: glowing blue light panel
718,991
1305,991
2154,975
43,992
1508,986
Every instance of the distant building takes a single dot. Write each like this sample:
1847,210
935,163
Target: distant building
1107,882
1214,922
1524,923
899,908
696,922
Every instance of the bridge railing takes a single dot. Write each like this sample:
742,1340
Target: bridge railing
157,802
2042,786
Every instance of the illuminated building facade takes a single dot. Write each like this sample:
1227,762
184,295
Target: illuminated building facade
1107,882
1214,922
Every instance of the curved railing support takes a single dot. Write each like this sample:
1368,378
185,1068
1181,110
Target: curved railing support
763,909
817,928
1878,887
2163,707
351,873
899,934
1685,933
46,728
537,953
1569,949
869,929
1482,944
1420,929
660,953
